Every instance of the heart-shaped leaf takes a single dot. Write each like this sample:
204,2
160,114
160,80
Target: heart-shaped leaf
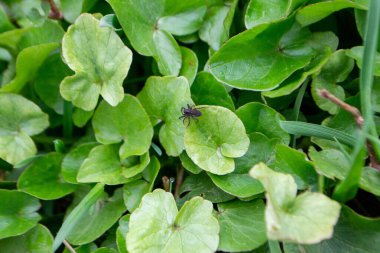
242,225
261,58
127,122
308,218
149,27
215,139
162,98
43,178
36,240
19,119
17,212
165,229
100,61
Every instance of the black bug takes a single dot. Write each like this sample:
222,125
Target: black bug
190,113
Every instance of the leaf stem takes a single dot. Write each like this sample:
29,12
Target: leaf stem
180,173
68,246
55,13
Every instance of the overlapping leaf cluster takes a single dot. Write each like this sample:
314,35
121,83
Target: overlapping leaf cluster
90,103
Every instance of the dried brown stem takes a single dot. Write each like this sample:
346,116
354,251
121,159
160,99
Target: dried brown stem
166,183
180,172
68,246
55,13
358,119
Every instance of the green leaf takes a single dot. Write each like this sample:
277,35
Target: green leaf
165,229
47,81
36,240
314,12
98,218
295,163
308,218
336,70
357,54
206,90
73,161
370,180
133,165
100,61
5,24
239,183
81,117
201,185
261,58
71,9
103,165
264,12
19,119
352,234
189,64
258,117
43,179
28,62
149,26
242,225
105,250
121,233
162,98
188,164
216,27
127,122
215,139
18,212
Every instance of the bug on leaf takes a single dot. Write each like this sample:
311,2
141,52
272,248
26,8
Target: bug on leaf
189,113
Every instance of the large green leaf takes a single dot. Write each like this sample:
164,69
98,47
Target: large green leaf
216,27
100,60
261,58
215,139
162,98
206,90
36,240
319,10
127,122
19,119
149,27
98,218
258,117
269,11
43,178
17,213
242,225
352,234
308,218
239,183
157,226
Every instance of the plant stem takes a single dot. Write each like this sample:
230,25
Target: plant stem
297,107
67,120
55,13
68,246
180,173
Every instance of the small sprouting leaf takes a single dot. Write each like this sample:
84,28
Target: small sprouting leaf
206,90
73,161
37,240
47,81
43,178
314,12
242,225
258,117
19,119
357,54
261,58
17,212
216,139
336,70
100,60
127,122
149,27
216,27
238,182
162,98
308,218
165,229
104,165
98,218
